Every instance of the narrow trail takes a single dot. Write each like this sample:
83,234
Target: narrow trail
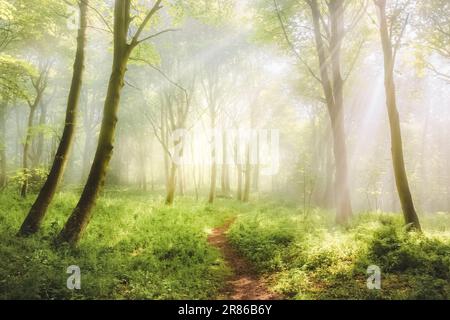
244,283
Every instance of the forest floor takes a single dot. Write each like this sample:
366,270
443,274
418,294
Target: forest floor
244,283
135,247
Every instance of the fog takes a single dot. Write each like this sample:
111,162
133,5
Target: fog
225,77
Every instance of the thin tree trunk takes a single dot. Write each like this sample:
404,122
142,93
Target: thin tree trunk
180,180
86,155
329,174
17,143
238,169
165,138
25,155
423,164
225,182
3,144
171,185
401,180
37,212
248,175
152,178
212,186
37,155
255,181
143,171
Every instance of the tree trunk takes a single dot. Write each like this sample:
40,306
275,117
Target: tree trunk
37,212
143,171
180,180
81,215
334,99
37,155
225,182
424,199
3,107
171,184
165,138
238,169
401,180
248,175
344,208
255,181
26,146
152,178
212,186
86,155
329,174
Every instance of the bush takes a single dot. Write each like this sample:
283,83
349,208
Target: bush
36,178
315,260
134,248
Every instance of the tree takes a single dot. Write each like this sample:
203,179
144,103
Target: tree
80,217
330,63
14,75
389,54
22,20
329,28
37,212
39,84
433,24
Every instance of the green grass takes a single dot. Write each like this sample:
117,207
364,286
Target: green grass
307,257
137,248
134,248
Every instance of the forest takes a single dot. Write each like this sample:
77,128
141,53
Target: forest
224,149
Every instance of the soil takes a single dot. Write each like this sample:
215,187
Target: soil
244,283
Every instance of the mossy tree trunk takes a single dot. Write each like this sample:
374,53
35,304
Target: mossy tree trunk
81,215
401,179
3,107
37,212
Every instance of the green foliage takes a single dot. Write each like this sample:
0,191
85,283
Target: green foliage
14,77
211,12
35,177
6,11
135,248
314,260
30,20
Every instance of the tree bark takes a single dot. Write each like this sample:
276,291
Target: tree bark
212,186
344,208
25,155
171,184
255,181
3,107
333,91
248,175
39,147
225,181
238,169
81,215
37,212
180,180
401,180
86,152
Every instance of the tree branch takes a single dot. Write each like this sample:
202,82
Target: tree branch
156,34
135,40
291,45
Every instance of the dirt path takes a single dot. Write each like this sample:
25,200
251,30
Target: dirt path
244,284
